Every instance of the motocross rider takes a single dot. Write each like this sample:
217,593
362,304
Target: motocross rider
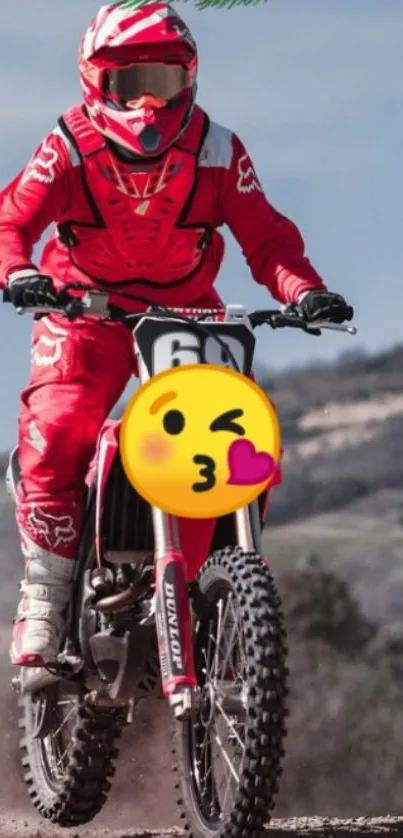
136,180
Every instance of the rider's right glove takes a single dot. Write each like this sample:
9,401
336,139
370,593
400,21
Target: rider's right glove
28,289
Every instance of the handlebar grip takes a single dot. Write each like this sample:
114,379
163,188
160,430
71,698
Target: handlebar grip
34,310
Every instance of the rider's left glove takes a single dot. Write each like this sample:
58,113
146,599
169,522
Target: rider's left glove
31,289
319,304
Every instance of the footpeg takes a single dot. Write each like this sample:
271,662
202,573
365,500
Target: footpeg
34,678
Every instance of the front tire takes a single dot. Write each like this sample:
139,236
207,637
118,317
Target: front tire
240,659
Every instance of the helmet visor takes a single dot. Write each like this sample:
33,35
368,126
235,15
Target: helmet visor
163,81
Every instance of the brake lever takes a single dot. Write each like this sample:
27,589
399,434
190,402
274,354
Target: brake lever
314,327
335,327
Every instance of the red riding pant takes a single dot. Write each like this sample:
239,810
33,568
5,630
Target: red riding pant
78,372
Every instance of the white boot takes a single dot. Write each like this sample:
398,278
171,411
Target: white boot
42,610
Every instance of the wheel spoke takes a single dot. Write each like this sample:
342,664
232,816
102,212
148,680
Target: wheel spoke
230,724
223,634
227,760
217,647
63,722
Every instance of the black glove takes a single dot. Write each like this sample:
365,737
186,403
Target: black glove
324,305
32,290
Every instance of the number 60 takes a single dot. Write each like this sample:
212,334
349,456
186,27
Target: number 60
180,348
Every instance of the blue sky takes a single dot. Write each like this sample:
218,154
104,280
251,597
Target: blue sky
315,90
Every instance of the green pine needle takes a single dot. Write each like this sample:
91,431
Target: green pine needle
200,4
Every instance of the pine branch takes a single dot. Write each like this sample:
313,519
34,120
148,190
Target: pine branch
200,4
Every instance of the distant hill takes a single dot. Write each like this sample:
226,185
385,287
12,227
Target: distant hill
342,429
342,492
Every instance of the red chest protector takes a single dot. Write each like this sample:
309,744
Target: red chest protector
125,225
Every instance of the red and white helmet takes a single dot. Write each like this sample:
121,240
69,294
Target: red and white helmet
138,71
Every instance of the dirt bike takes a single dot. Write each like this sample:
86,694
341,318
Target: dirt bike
214,646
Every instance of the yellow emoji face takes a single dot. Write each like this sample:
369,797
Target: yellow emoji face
199,441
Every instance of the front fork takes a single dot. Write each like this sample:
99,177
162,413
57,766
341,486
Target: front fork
172,608
172,617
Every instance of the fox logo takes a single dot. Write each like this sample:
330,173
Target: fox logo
54,529
247,177
47,351
42,167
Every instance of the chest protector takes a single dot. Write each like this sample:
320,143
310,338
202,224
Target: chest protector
127,225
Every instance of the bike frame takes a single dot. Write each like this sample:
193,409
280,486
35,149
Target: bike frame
172,607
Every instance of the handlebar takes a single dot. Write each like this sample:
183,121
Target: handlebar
96,303
278,319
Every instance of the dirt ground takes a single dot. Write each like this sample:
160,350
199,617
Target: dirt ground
11,827
142,801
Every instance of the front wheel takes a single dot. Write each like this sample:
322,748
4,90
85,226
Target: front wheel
229,756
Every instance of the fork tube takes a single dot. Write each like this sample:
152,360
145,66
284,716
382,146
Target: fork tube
172,608
248,528
166,536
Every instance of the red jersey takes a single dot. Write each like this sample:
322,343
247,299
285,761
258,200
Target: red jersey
148,228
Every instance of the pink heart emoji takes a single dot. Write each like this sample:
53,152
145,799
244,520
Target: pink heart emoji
248,466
